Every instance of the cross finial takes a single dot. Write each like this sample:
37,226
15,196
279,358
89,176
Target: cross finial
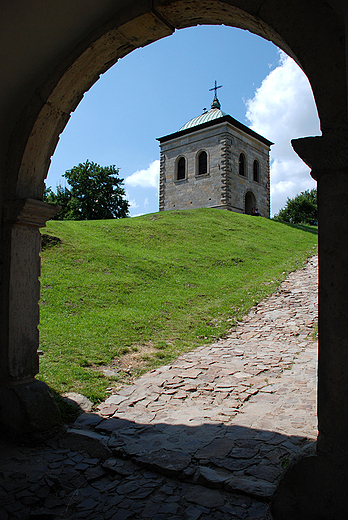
215,88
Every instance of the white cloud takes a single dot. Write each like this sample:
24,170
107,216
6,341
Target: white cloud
145,178
146,203
282,109
132,203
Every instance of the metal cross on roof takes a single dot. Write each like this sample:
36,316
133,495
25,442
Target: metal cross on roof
215,88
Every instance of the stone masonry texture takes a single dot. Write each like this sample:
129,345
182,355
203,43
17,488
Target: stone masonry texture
222,186
206,437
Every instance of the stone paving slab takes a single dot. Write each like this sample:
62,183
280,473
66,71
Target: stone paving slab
204,437
56,483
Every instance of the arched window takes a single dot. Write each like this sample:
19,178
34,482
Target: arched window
242,164
202,163
256,171
181,169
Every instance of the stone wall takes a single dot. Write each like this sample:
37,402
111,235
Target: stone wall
222,186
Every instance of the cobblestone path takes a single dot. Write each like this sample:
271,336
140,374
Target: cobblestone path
206,437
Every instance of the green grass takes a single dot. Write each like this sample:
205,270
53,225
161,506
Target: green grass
168,281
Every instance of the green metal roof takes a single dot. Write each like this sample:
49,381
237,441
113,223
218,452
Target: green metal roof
211,118
214,113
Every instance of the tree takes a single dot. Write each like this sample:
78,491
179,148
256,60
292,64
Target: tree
96,193
302,209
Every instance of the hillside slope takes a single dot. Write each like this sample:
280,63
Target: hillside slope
120,296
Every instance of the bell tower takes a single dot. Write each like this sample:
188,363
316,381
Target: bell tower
215,161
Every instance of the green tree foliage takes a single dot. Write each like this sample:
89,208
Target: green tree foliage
302,209
96,193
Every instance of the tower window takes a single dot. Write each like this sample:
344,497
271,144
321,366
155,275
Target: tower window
202,163
181,169
256,171
242,164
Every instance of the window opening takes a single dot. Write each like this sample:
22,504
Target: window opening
181,174
202,163
256,171
242,164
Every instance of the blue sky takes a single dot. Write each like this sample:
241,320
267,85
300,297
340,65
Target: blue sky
153,91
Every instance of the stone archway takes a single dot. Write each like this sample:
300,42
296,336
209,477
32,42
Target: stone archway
68,60
249,202
37,133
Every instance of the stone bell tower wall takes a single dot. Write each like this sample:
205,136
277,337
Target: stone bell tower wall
221,186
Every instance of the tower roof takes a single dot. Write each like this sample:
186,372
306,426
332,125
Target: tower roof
215,112
210,115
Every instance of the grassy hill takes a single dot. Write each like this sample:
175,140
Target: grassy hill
122,296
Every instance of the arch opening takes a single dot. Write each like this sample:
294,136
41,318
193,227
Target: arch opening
242,165
256,171
181,169
202,163
181,173
182,166
250,203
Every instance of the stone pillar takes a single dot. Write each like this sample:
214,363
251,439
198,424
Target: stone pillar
333,309
315,486
26,404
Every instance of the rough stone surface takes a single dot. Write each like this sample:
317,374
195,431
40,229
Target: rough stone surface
92,442
297,492
221,186
79,401
28,408
236,412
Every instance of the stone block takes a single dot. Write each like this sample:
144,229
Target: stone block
28,408
93,443
312,488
